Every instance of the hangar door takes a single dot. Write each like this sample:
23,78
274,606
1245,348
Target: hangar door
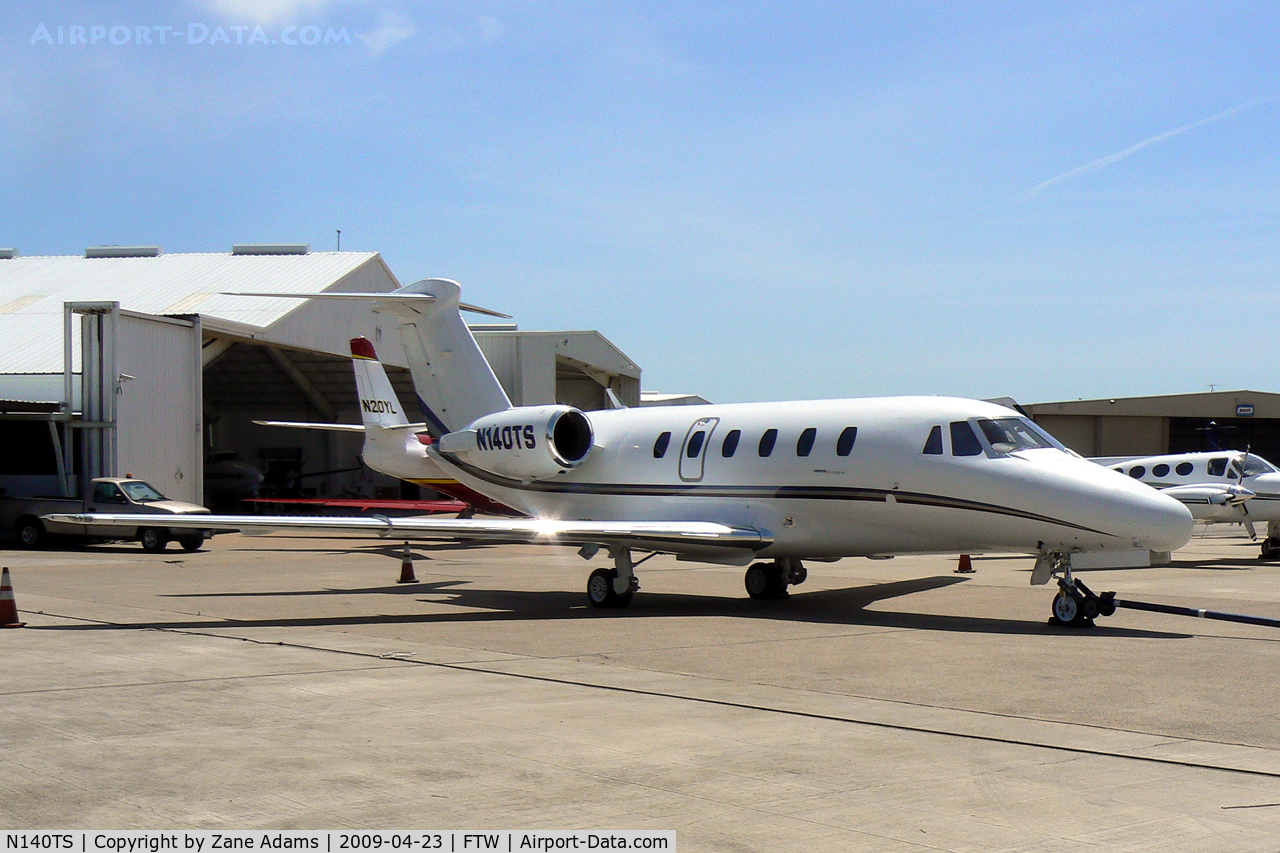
140,398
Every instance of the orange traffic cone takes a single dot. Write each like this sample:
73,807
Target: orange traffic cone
8,607
966,565
406,567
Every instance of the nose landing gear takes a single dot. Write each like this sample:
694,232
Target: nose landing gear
1075,604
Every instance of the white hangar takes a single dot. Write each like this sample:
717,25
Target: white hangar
130,360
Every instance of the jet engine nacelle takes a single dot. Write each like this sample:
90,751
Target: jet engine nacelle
528,443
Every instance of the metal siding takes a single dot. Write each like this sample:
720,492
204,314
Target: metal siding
502,351
30,336
158,412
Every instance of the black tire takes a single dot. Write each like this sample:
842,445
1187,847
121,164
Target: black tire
600,589
191,543
1089,608
30,532
153,538
756,581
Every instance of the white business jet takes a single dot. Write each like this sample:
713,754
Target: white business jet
1218,486
764,485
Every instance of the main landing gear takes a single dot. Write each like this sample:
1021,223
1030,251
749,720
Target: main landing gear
1075,604
770,580
614,587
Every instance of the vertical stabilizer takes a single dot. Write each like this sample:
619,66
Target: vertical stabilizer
379,406
455,383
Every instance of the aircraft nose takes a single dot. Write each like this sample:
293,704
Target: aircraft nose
1158,522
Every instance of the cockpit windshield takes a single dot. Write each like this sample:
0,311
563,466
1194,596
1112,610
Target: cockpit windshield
1254,465
1008,435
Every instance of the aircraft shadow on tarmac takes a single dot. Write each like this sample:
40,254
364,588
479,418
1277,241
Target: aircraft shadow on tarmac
834,607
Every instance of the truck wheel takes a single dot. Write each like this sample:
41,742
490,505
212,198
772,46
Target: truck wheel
191,543
153,538
30,532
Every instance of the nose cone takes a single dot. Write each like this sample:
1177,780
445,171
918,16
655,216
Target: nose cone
1143,515
1130,514
1154,520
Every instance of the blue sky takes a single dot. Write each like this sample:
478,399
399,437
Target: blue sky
754,201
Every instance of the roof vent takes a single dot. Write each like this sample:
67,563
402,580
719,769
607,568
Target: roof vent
6,254
271,249
122,252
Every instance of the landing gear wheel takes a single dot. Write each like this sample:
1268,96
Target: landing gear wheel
765,580
1269,550
191,543
1066,609
600,590
30,533
153,538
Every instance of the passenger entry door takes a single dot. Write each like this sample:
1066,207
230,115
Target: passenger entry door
693,452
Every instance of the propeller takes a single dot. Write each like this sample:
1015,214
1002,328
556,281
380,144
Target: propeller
1244,507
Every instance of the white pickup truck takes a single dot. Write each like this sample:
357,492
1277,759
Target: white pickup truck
108,494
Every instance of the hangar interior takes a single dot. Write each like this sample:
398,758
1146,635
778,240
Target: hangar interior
1173,423
128,360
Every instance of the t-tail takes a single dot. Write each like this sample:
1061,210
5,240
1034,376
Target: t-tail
454,382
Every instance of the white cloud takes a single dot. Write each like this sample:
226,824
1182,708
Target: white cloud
390,28
269,11
490,28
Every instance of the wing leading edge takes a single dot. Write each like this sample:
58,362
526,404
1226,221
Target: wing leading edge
683,537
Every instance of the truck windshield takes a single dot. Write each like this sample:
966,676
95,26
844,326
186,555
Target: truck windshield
140,492
1008,435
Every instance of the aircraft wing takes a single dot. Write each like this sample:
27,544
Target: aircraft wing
684,537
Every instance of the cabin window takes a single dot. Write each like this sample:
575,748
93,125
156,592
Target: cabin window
844,444
1217,467
730,445
767,441
1137,471
1161,470
1184,468
963,440
660,446
695,444
933,446
805,445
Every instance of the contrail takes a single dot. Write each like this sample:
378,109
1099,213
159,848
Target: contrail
1103,162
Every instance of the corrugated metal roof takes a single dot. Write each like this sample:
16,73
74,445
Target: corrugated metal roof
33,290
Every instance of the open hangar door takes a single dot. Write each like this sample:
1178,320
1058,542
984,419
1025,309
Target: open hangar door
246,382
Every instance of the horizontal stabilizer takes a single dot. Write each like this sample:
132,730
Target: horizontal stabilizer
404,301
327,427
336,427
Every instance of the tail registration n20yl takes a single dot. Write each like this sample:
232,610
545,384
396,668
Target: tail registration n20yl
762,485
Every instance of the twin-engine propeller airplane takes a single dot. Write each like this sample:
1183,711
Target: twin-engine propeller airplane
763,485
1218,486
